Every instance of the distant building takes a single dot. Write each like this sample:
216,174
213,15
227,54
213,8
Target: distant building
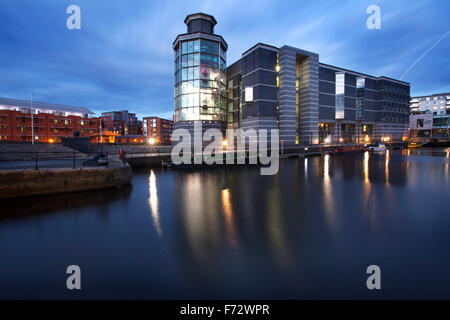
430,116
438,104
130,139
51,122
158,129
121,122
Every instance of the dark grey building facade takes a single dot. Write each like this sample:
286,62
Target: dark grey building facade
310,102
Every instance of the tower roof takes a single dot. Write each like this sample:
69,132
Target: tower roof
200,15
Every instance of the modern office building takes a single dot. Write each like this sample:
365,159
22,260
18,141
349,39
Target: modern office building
289,89
200,84
50,123
311,102
121,122
430,116
158,130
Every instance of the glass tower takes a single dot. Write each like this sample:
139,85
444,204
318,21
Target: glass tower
200,64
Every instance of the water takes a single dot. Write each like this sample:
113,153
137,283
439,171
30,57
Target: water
308,232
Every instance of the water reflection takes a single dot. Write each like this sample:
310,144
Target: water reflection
328,193
229,219
306,167
232,233
366,167
153,202
44,205
201,221
386,167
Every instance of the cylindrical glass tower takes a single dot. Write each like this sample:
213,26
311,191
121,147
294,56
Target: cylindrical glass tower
200,63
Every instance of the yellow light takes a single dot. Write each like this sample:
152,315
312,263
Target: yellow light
341,139
367,139
224,143
51,140
277,68
327,140
152,141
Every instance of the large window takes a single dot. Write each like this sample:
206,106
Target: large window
340,94
360,85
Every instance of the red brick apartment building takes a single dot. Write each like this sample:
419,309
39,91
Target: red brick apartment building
158,129
51,122
121,122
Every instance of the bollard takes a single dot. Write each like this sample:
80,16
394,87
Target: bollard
74,160
36,167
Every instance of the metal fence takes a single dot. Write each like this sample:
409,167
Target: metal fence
45,159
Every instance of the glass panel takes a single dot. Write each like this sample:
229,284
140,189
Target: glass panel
196,73
184,47
340,83
196,59
205,73
190,46
184,103
209,46
196,45
207,99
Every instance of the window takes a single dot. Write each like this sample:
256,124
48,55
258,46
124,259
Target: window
360,85
248,94
340,92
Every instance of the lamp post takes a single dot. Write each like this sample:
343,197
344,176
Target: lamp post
32,123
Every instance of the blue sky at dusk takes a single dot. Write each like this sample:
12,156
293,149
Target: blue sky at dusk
122,57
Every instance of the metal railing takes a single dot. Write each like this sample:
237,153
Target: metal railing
48,159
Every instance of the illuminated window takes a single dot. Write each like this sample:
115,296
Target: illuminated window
340,92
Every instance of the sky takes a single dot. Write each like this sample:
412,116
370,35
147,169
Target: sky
122,56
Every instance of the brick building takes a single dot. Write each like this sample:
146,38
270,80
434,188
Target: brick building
121,122
51,122
158,129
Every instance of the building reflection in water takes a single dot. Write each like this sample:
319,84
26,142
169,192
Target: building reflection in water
202,224
153,202
446,167
229,218
275,226
386,167
366,167
306,167
328,194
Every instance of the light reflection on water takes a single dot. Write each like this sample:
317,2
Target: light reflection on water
153,201
230,233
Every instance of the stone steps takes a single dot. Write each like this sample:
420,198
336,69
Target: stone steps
24,152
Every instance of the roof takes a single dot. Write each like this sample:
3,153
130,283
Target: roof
260,45
154,117
433,95
363,74
43,106
200,15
